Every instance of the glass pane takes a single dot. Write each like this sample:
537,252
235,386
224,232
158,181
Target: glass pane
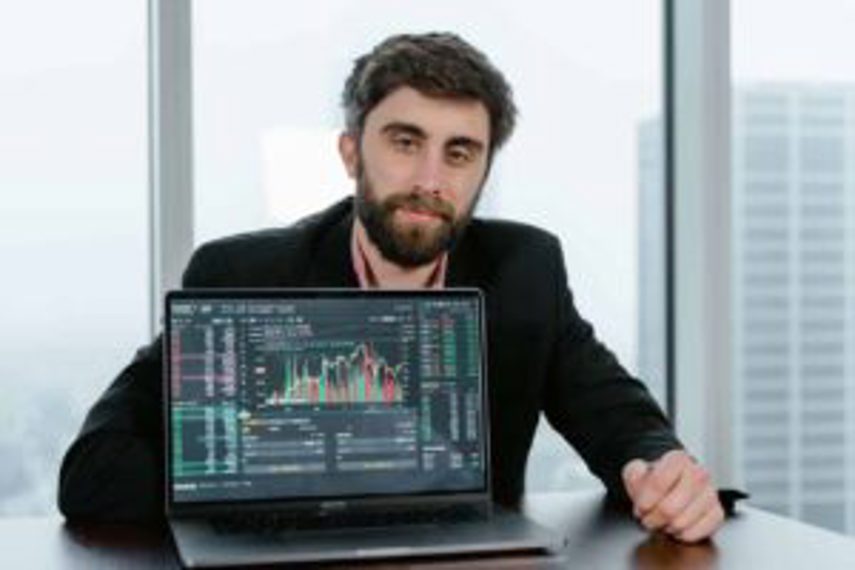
73,228
266,115
794,253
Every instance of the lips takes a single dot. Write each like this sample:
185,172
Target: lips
422,213
420,207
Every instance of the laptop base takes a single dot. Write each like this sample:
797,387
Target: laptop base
200,545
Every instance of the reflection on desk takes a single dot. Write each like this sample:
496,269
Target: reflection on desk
598,536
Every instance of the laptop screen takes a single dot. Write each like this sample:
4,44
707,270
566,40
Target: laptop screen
302,395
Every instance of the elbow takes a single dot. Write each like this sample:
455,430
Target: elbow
112,478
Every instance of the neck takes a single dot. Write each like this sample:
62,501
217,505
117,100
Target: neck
389,275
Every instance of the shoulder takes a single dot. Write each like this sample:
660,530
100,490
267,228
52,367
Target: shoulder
504,238
510,256
231,258
521,269
297,234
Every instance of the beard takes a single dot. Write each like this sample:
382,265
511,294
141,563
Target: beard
409,245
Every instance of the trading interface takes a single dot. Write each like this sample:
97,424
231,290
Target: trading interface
319,397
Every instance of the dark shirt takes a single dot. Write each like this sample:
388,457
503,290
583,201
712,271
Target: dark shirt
542,357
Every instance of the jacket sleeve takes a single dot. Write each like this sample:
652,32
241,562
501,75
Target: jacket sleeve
114,470
608,416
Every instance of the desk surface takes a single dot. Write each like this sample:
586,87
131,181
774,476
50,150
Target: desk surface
597,537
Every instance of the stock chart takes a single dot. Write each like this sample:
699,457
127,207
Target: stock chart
351,395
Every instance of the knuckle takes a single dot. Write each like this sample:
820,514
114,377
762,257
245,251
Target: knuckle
659,482
694,533
669,509
673,455
647,498
707,496
648,524
653,522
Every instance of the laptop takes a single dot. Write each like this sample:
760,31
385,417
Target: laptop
323,425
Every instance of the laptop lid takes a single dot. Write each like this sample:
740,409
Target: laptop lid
324,399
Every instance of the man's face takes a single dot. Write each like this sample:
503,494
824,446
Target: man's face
419,168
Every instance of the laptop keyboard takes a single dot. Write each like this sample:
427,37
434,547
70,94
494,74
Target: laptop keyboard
276,522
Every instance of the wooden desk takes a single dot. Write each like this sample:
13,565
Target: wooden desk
597,537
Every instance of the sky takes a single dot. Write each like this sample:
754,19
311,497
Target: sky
793,40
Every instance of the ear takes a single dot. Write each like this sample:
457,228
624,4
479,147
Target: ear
348,149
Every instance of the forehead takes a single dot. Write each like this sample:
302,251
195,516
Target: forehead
438,117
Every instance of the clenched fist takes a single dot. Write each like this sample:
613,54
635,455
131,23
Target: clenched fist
674,494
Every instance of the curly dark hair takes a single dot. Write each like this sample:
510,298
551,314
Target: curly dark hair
435,64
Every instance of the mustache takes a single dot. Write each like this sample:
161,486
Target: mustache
420,202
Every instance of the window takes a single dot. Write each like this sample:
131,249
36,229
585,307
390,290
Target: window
794,207
73,226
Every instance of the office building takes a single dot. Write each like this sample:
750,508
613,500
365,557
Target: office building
793,259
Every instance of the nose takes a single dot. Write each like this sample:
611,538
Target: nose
431,175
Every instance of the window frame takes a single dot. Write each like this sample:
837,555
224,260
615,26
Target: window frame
698,240
170,82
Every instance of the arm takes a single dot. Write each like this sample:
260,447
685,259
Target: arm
622,433
608,416
113,471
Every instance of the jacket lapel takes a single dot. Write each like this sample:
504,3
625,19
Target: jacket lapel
331,265
464,264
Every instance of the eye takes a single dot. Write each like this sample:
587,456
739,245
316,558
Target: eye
405,143
459,155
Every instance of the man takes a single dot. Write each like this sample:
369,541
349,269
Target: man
425,115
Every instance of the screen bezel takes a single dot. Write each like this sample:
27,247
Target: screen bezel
323,504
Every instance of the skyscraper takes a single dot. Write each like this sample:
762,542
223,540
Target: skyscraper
793,257
794,247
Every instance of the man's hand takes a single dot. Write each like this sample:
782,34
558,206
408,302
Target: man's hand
673,494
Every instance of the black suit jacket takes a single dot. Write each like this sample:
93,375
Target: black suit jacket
542,357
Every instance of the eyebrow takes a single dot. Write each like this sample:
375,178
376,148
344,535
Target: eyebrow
399,127
411,129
